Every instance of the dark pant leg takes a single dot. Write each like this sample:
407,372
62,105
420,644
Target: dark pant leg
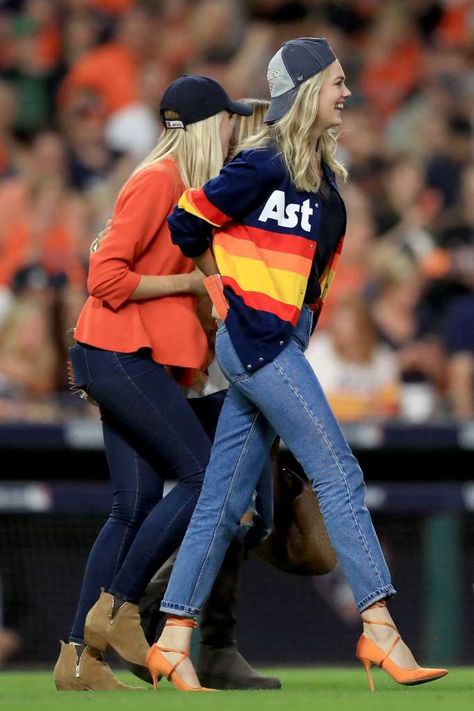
148,413
133,498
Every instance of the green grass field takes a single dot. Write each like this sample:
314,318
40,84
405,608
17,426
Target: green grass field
303,690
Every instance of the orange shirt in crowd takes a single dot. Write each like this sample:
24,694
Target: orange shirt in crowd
57,252
385,83
111,71
139,244
114,7
49,47
455,28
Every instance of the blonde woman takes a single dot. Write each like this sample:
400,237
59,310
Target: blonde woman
278,223
244,127
138,328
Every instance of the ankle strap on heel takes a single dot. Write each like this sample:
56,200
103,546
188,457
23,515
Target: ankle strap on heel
379,603
176,621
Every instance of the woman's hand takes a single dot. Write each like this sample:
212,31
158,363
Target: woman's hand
196,285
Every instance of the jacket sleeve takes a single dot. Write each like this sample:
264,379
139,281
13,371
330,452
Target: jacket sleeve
139,214
232,194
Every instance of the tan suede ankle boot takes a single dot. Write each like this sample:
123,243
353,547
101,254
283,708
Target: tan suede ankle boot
82,668
114,623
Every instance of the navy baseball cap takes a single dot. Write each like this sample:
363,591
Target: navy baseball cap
195,98
295,62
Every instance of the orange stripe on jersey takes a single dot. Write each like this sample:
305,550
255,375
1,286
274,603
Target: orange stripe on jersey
278,260
262,302
276,241
196,202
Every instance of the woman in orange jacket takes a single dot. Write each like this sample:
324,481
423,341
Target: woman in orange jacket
137,337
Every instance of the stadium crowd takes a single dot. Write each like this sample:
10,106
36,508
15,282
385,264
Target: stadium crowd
80,83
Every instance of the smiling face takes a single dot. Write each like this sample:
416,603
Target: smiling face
332,97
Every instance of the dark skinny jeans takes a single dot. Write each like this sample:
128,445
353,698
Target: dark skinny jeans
151,433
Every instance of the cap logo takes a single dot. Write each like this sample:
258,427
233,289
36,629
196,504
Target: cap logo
274,73
174,123
271,76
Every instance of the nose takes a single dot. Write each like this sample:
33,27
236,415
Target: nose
347,93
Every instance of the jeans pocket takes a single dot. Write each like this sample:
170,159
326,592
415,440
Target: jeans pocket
228,359
80,369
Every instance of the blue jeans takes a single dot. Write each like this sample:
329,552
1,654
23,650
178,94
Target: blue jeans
283,397
151,434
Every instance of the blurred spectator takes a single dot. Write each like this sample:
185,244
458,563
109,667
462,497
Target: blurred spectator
450,265
402,326
392,58
459,342
95,169
409,208
135,128
358,375
111,70
30,75
44,14
28,357
8,143
455,27
44,222
80,34
445,168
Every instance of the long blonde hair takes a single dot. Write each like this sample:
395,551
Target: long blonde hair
247,126
294,136
197,149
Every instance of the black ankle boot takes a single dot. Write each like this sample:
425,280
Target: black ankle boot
220,665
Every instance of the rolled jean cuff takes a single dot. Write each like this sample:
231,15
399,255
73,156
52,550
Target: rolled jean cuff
379,594
174,608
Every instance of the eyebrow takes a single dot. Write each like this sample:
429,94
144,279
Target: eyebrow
340,77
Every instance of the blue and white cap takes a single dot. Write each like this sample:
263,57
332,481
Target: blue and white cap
295,62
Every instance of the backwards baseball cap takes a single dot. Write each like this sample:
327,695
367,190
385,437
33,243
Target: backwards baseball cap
195,98
295,62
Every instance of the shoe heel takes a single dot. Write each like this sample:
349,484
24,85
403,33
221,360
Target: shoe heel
156,678
366,663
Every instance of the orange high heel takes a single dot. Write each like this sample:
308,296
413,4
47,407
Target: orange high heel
159,666
368,653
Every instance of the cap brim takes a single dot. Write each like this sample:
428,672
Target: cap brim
280,105
240,108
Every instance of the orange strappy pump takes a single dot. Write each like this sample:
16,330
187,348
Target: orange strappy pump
368,653
158,665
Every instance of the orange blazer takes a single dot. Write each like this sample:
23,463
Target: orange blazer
139,243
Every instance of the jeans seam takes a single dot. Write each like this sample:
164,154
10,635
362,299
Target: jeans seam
224,506
338,464
134,385
86,361
131,522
